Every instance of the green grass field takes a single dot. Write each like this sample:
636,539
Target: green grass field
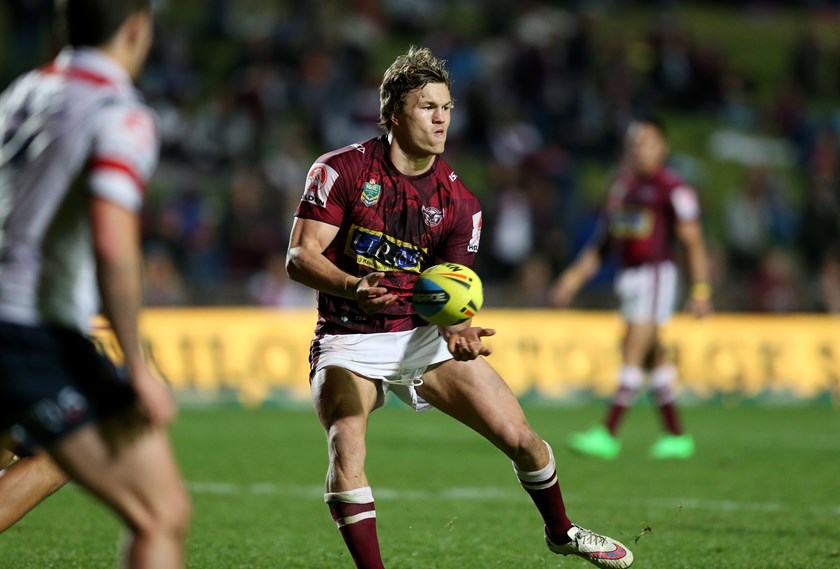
762,492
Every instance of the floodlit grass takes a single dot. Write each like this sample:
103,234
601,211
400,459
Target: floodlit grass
762,492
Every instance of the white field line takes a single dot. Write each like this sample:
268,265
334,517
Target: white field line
494,494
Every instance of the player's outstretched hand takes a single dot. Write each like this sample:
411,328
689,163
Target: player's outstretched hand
371,297
465,344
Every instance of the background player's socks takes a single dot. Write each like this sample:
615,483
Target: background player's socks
355,515
544,489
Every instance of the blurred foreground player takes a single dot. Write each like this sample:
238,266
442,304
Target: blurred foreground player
649,208
372,217
78,145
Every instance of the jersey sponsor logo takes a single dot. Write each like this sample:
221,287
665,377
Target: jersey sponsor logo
472,246
632,223
319,182
432,216
382,252
359,147
453,176
370,193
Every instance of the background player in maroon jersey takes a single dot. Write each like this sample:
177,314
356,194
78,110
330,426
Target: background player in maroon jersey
649,208
77,147
372,217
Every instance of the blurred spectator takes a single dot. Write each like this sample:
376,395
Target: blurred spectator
272,287
756,219
162,283
776,286
829,282
248,94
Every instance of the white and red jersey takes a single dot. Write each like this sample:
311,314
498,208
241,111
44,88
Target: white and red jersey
387,222
70,131
642,215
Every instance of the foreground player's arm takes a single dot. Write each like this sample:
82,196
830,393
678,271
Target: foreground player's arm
116,241
307,264
690,234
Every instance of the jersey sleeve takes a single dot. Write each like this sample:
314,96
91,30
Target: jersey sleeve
124,155
461,244
324,194
685,203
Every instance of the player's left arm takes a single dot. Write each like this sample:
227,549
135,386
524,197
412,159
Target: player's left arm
690,234
464,340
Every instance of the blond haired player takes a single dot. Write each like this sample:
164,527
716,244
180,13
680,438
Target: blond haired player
372,217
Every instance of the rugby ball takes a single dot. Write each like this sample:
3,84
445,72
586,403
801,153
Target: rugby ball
447,294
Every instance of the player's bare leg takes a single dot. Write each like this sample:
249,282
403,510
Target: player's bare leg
674,443
602,440
639,339
135,473
24,484
344,402
473,393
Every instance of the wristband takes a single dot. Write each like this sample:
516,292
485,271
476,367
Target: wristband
701,291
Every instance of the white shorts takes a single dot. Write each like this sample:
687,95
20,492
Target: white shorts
396,361
648,292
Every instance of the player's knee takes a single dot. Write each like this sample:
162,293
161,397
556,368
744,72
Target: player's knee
168,515
631,378
663,377
521,443
346,435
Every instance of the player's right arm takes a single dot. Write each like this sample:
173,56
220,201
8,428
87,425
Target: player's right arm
307,264
570,281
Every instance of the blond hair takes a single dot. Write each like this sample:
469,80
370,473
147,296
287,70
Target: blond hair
413,70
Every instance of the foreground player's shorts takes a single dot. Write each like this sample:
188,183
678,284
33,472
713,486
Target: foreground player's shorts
53,381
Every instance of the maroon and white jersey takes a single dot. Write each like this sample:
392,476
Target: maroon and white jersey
72,130
642,214
387,222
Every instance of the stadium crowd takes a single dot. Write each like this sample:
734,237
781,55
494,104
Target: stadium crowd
249,93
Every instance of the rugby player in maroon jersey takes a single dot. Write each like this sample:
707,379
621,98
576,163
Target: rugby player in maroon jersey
649,210
372,217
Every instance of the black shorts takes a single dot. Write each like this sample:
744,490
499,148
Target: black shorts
53,381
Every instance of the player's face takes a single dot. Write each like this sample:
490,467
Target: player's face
647,148
420,128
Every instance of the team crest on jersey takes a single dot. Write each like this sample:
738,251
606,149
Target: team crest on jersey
432,216
319,182
370,193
